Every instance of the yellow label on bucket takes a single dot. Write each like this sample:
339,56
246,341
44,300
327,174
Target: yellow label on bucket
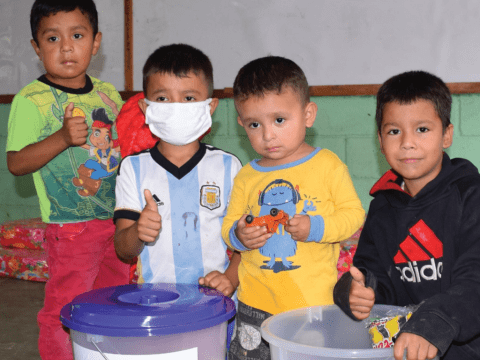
82,353
385,329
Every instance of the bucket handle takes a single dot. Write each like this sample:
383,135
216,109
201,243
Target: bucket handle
100,351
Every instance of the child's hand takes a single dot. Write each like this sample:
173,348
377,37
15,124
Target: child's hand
217,281
150,221
361,297
417,347
251,237
299,227
74,130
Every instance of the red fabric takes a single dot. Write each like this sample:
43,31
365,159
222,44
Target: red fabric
25,264
23,234
348,248
81,257
345,260
133,134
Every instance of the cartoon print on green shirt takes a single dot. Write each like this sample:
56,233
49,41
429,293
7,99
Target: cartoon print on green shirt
282,195
95,188
104,150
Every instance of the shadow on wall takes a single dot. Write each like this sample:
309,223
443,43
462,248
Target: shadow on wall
24,186
97,64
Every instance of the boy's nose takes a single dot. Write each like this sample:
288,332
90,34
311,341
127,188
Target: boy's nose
268,133
408,141
67,45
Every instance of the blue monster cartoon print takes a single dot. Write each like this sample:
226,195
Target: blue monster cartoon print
280,194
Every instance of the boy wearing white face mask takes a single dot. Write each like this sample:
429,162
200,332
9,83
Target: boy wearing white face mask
171,199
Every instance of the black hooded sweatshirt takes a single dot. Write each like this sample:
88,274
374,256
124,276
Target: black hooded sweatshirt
426,250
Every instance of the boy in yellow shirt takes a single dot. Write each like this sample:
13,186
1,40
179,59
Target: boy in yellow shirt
296,265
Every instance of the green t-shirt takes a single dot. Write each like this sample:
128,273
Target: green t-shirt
79,183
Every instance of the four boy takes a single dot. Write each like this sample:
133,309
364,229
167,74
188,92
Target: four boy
419,244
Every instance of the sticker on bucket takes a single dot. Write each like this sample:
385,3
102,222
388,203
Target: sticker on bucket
84,353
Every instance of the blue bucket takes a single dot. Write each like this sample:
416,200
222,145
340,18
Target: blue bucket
149,321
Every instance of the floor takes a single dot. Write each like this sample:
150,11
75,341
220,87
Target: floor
20,301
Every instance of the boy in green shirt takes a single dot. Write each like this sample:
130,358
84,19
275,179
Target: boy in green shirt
50,122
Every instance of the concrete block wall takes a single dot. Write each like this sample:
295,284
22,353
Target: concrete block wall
18,199
345,125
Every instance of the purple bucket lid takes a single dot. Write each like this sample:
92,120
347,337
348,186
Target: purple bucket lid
147,310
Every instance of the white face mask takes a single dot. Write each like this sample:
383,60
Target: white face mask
178,123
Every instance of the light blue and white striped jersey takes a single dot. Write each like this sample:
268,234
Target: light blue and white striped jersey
192,201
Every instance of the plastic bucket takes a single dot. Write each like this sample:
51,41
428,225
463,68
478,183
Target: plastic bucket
149,321
324,332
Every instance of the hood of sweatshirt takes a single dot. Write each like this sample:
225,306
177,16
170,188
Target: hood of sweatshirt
390,184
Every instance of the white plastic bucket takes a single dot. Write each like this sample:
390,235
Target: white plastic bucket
323,332
149,321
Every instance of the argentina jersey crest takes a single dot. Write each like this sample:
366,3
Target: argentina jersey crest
210,197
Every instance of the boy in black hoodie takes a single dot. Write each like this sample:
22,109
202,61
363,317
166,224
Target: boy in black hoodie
421,240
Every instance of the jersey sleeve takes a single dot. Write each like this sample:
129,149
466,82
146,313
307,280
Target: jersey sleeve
236,166
349,214
24,124
128,202
235,211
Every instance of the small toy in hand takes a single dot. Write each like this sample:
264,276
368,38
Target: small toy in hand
385,330
270,221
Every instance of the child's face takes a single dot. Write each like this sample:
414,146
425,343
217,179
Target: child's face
276,125
100,138
65,46
412,140
167,87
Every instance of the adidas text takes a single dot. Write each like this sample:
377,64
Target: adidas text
412,273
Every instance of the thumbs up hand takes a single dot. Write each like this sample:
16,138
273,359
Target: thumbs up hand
150,221
74,130
361,297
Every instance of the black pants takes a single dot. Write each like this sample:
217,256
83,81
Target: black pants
247,342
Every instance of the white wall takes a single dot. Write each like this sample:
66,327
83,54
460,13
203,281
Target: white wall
19,64
334,41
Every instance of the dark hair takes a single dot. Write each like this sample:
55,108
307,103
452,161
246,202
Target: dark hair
179,60
45,8
100,114
270,74
411,86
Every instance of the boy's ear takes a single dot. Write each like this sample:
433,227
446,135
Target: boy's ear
448,137
96,43
36,48
239,121
213,105
310,114
142,105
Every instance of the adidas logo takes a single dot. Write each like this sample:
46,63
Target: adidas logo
421,245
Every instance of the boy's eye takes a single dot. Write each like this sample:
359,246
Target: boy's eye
279,120
254,125
393,132
161,99
422,129
52,38
189,98
77,36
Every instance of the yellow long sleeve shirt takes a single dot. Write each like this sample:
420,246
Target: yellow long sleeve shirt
285,274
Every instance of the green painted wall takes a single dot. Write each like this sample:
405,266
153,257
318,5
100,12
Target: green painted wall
345,125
